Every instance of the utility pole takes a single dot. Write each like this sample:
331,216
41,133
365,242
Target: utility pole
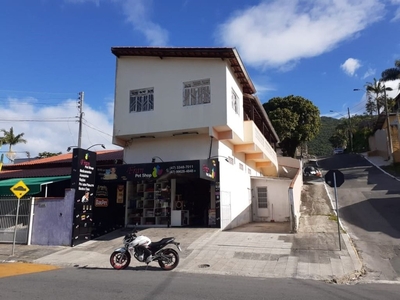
388,125
350,131
80,106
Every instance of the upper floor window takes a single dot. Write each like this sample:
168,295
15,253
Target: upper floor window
196,92
235,102
141,100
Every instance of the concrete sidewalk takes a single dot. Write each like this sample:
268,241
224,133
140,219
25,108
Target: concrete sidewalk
245,251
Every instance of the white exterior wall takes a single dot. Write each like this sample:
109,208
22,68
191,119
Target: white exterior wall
235,186
278,202
234,120
167,76
294,194
189,147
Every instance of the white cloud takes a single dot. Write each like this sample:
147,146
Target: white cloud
60,129
350,66
397,11
138,14
369,72
281,32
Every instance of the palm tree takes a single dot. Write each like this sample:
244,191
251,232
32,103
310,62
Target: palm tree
375,91
10,139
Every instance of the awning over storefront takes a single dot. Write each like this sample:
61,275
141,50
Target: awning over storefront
33,183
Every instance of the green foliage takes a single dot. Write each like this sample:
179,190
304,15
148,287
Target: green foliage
47,154
295,119
320,145
11,139
392,73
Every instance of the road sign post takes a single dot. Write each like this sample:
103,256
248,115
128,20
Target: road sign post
19,189
335,178
337,211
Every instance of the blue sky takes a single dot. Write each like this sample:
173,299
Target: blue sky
53,49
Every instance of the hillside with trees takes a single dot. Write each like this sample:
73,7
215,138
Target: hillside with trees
320,145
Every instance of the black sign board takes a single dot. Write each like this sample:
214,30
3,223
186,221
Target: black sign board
330,180
207,169
83,176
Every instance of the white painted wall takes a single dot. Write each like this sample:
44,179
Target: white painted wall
278,202
167,76
188,147
234,120
294,194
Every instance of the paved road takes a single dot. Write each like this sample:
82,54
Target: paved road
369,207
98,283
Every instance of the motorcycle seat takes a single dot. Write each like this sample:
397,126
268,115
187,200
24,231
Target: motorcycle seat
163,241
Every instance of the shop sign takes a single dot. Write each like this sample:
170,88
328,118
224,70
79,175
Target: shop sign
83,175
156,171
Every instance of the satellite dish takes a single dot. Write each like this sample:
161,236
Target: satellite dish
11,155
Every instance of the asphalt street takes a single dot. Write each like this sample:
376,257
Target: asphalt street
369,208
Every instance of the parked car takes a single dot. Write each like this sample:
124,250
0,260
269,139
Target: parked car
310,171
338,151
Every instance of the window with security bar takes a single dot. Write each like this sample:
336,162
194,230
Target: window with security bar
196,92
141,100
262,197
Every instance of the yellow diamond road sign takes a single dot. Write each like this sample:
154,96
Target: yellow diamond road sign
19,189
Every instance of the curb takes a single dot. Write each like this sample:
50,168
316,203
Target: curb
355,258
390,175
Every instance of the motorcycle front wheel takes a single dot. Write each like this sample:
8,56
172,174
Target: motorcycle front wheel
120,260
169,259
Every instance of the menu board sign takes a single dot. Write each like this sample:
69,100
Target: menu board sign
83,181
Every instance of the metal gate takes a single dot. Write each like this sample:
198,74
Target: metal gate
8,222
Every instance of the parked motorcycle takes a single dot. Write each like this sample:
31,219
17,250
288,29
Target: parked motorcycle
167,258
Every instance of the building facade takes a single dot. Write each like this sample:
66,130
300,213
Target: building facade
193,109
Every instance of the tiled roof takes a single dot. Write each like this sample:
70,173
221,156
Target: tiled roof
227,53
54,166
67,157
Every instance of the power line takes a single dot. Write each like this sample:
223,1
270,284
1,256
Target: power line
36,92
61,119
86,123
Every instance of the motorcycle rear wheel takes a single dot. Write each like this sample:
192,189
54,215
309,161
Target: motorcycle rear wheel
120,260
169,259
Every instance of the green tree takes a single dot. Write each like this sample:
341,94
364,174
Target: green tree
47,154
320,145
11,139
392,73
295,120
375,91
370,106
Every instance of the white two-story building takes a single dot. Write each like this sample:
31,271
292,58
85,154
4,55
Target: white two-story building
199,149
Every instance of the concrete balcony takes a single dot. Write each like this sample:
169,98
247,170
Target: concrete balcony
255,147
